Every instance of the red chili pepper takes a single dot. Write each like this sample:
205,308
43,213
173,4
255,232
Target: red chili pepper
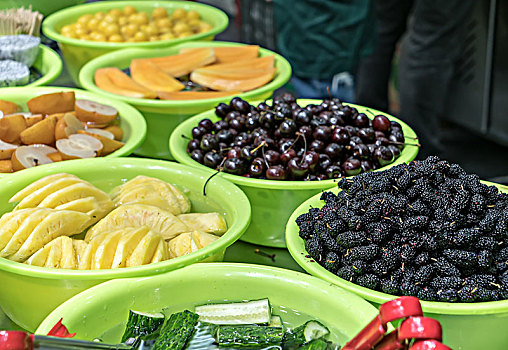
420,328
368,337
390,342
15,340
400,308
429,345
59,330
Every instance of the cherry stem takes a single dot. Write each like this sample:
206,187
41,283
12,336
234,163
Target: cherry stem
262,144
218,171
405,143
263,153
298,134
262,253
185,137
305,146
370,112
328,90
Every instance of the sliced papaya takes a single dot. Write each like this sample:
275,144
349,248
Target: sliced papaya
185,62
222,83
152,77
117,82
250,63
230,53
234,73
194,95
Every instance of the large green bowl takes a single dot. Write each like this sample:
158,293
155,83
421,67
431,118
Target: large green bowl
131,121
163,116
467,326
30,293
272,201
102,311
46,7
78,52
49,64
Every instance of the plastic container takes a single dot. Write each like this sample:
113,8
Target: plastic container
49,64
131,121
163,116
46,7
78,52
466,326
30,293
272,201
102,311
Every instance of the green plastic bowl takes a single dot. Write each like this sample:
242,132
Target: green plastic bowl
49,64
46,7
102,311
466,326
163,116
131,121
272,201
30,293
78,52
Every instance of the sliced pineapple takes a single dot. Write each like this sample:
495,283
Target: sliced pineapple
202,239
152,191
161,252
144,252
85,260
105,253
33,199
39,184
128,242
46,225
80,248
136,215
206,222
23,231
54,255
181,245
10,222
69,259
39,257
59,253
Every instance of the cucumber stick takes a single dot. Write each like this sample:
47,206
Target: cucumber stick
316,344
304,334
228,336
251,312
177,331
142,324
275,321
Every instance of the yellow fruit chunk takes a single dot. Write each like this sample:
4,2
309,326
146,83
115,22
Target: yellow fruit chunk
206,222
144,252
128,242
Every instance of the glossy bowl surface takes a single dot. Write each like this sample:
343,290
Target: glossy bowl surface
78,52
164,116
272,201
102,310
131,121
466,326
30,293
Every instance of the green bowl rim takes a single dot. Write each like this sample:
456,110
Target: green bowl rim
86,75
294,245
247,269
132,117
50,22
239,226
55,69
409,153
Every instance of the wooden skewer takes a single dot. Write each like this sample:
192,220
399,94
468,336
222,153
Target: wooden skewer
20,21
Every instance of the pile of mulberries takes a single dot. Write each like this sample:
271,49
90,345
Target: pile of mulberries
426,229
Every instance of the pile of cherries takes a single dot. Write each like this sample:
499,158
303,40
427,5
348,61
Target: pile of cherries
289,142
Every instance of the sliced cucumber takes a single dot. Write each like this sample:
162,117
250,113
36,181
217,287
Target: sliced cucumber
303,334
314,330
249,336
177,331
275,321
142,324
251,312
